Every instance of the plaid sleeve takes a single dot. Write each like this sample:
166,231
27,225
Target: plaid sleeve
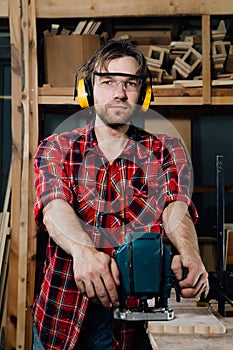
176,182
51,179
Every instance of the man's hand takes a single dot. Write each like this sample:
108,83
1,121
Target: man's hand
181,232
196,280
96,275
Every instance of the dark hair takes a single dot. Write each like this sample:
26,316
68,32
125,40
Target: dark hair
112,50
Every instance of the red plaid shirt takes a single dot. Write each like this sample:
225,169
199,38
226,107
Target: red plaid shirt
151,172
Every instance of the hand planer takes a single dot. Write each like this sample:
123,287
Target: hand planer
144,263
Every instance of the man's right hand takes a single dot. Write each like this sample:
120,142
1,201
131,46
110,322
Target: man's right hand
97,276
96,273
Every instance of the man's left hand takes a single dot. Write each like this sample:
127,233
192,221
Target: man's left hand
196,282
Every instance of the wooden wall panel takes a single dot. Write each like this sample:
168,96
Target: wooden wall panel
100,8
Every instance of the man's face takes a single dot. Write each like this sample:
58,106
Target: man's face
116,97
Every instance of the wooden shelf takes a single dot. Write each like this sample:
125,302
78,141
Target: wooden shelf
164,95
113,8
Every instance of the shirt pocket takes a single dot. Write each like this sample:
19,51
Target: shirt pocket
87,194
142,206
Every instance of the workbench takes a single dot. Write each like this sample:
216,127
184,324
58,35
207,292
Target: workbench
193,328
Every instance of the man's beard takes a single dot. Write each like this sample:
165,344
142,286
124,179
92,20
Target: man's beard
121,119
116,126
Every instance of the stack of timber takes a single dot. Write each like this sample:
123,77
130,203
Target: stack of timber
4,254
172,60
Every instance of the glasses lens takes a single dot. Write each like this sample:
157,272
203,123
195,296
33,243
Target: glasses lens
111,83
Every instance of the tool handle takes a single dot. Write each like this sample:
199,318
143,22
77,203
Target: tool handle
175,283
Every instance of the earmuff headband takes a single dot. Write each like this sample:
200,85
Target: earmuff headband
84,91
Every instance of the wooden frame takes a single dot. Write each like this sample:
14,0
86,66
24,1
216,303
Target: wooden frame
109,8
99,8
25,101
24,141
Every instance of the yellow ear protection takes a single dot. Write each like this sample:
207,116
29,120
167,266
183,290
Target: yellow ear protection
146,94
84,91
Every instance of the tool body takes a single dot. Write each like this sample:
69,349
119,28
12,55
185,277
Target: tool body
144,263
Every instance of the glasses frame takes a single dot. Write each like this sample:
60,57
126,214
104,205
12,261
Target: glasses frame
124,86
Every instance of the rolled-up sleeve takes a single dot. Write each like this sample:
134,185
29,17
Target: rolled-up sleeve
176,182
51,179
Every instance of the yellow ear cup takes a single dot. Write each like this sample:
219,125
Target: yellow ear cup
147,99
82,94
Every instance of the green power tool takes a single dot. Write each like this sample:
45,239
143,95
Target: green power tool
144,263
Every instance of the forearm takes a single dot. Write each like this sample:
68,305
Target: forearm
180,229
181,232
64,227
95,273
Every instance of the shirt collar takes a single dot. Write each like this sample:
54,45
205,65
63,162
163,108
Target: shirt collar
138,139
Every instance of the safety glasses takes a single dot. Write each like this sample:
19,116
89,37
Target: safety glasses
110,81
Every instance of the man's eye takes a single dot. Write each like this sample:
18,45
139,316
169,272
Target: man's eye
132,83
107,82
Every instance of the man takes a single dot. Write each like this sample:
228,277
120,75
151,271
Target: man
109,165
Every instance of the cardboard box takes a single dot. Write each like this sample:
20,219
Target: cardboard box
64,54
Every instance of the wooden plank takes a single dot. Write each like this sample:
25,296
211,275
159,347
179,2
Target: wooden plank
188,83
99,8
16,83
189,320
48,90
206,69
4,222
56,100
229,248
199,83
222,100
160,100
4,9
177,127
229,64
33,143
195,342
224,93
23,231
3,276
3,233
176,101
24,116
163,95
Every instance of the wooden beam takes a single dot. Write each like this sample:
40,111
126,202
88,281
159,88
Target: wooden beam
229,248
4,9
24,138
113,8
4,220
33,143
16,108
99,8
23,231
206,65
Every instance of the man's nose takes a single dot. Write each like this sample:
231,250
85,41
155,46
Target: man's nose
120,90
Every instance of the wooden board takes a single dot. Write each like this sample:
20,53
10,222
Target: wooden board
71,8
229,248
177,127
189,320
100,8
